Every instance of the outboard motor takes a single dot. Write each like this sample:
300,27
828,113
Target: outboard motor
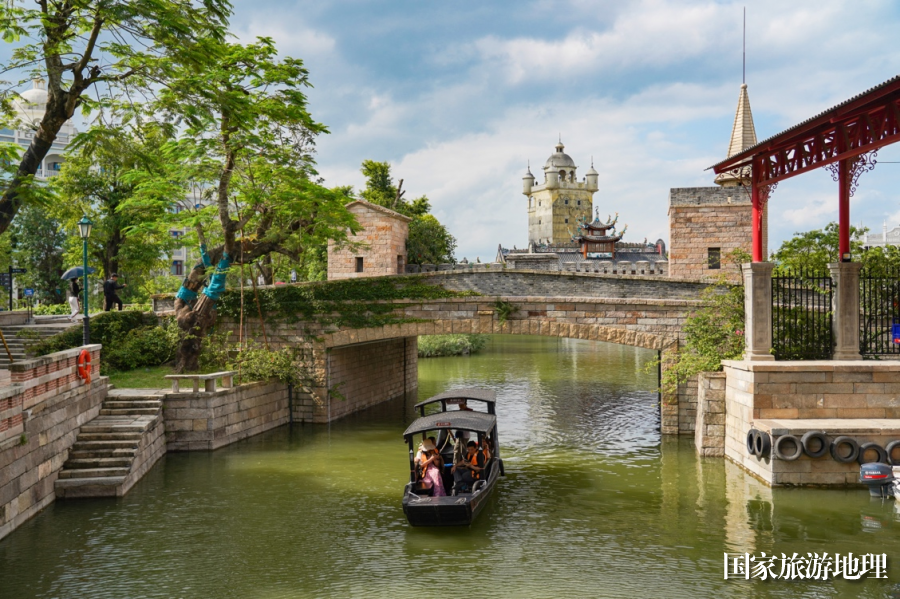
879,478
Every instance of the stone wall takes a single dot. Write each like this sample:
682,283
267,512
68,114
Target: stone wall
383,251
709,431
367,374
40,414
701,218
204,421
840,397
566,284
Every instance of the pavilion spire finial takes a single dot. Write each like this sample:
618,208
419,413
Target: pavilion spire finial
744,64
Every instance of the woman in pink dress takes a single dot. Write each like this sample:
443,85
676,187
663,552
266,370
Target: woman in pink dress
430,465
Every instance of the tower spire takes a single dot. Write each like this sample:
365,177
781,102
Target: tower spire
743,132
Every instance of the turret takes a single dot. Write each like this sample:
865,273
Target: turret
591,178
552,179
527,182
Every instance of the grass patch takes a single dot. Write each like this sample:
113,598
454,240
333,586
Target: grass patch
432,346
142,378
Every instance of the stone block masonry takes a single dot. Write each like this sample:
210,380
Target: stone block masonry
363,375
709,432
380,246
857,398
204,421
40,415
702,219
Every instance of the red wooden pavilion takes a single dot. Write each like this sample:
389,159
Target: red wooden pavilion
844,139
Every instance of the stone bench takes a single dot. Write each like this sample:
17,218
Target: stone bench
209,380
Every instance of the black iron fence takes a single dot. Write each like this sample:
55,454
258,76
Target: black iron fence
879,296
801,315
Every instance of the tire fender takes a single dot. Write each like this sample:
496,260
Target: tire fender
751,441
848,442
889,450
867,447
815,444
787,448
762,444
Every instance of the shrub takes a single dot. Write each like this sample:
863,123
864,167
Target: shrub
431,346
130,339
51,309
146,346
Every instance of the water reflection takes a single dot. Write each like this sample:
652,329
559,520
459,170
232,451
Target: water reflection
595,504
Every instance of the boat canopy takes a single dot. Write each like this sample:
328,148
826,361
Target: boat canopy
475,393
478,422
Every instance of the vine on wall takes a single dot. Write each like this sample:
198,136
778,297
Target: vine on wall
352,303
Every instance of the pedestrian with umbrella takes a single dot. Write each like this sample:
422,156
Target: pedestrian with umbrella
73,292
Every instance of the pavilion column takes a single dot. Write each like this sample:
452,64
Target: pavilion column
844,210
845,307
758,309
756,199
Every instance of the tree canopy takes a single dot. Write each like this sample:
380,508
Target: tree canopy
429,241
112,50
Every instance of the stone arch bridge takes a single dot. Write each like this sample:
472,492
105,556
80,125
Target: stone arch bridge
356,368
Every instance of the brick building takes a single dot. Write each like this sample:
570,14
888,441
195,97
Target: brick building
378,249
706,223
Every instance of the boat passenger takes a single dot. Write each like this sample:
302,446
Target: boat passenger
470,469
464,406
431,468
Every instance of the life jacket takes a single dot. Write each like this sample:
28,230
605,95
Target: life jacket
480,463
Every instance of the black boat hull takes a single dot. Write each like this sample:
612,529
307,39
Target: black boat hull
460,510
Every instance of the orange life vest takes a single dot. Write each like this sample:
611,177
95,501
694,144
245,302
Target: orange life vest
475,462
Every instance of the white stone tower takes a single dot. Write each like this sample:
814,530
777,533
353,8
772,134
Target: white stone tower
557,206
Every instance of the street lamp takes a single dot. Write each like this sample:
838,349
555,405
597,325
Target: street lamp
84,229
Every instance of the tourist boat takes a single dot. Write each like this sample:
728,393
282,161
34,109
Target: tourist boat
461,505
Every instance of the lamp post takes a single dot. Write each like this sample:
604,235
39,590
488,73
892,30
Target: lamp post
84,229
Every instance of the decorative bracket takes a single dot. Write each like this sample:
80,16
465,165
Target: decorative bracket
861,164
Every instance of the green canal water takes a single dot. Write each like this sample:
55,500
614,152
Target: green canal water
594,504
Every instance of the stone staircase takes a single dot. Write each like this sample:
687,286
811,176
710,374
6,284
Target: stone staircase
41,328
115,449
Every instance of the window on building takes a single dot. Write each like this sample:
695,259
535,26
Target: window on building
579,202
539,221
175,234
567,221
359,264
539,203
178,268
400,265
714,258
567,202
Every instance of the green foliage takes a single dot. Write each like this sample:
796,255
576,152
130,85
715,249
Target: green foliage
130,340
815,249
37,241
94,55
127,237
254,362
504,310
713,333
429,241
431,346
51,309
145,346
352,303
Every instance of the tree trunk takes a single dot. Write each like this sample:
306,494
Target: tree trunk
194,318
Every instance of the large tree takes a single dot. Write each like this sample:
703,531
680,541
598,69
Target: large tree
99,47
247,131
429,241
96,180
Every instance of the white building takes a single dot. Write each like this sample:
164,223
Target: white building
882,239
30,107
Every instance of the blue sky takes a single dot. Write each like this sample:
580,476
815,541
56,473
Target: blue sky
459,95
